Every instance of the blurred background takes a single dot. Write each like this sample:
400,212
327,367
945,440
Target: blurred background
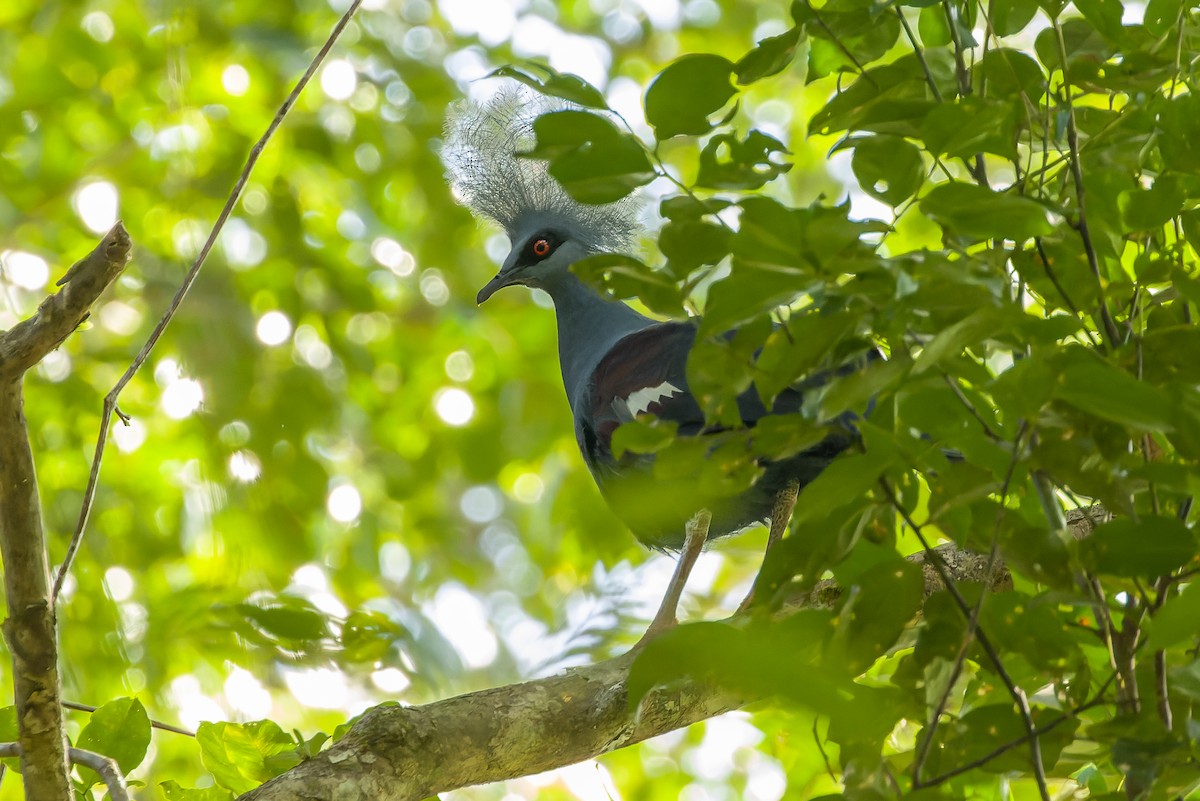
342,483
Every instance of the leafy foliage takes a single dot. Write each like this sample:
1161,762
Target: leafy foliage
1013,224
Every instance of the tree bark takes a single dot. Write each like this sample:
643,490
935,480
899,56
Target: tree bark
30,628
403,753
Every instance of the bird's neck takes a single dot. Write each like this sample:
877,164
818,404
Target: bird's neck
588,326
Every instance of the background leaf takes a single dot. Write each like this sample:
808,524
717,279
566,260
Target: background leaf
120,729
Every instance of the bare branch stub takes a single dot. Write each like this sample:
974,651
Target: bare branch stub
28,342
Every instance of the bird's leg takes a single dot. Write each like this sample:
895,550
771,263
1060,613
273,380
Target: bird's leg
696,534
781,514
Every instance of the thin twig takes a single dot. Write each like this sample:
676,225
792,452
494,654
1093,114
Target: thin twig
1110,327
821,747
969,636
845,50
1037,243
970,407
1161,690
1096,700
1178,49
110,400
978,170
985,642
912,40
1035,750
154,723
988,35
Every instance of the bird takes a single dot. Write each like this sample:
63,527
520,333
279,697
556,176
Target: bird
617,364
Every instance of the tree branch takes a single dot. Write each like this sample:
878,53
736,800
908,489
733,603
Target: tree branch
30,627
106,767
28,342
410,753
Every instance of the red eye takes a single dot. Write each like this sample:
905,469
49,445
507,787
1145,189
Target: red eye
541,247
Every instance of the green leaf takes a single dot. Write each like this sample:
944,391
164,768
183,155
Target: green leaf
797,348
726,163
932,25
749,291
852,392
779,436
691,243
562,85
1148,209
893,98
686,93
173,792
236,754
286,618
1105,16
1177,620
846,35
950,341
1144,548
593,160
1179,142
1162,16
846,479
780,659
972,125
877,609
1082,40
369,636
1092,385
888,168
977,733
120,729
1009,74
643,436
977,213
625,277
690,207
1012,16
720,368
1020,624
769,57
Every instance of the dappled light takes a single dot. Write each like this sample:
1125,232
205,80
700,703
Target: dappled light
963,235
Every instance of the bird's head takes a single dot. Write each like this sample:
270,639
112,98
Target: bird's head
540,256
549,229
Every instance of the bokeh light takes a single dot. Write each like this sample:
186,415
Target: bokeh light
344,503
454,406
273,328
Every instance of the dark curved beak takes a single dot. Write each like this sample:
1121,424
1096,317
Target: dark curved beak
501,280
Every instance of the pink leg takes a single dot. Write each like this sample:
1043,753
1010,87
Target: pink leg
664,618
781,514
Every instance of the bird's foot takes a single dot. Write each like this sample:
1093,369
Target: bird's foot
657,626
664,618
748,601
785,502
